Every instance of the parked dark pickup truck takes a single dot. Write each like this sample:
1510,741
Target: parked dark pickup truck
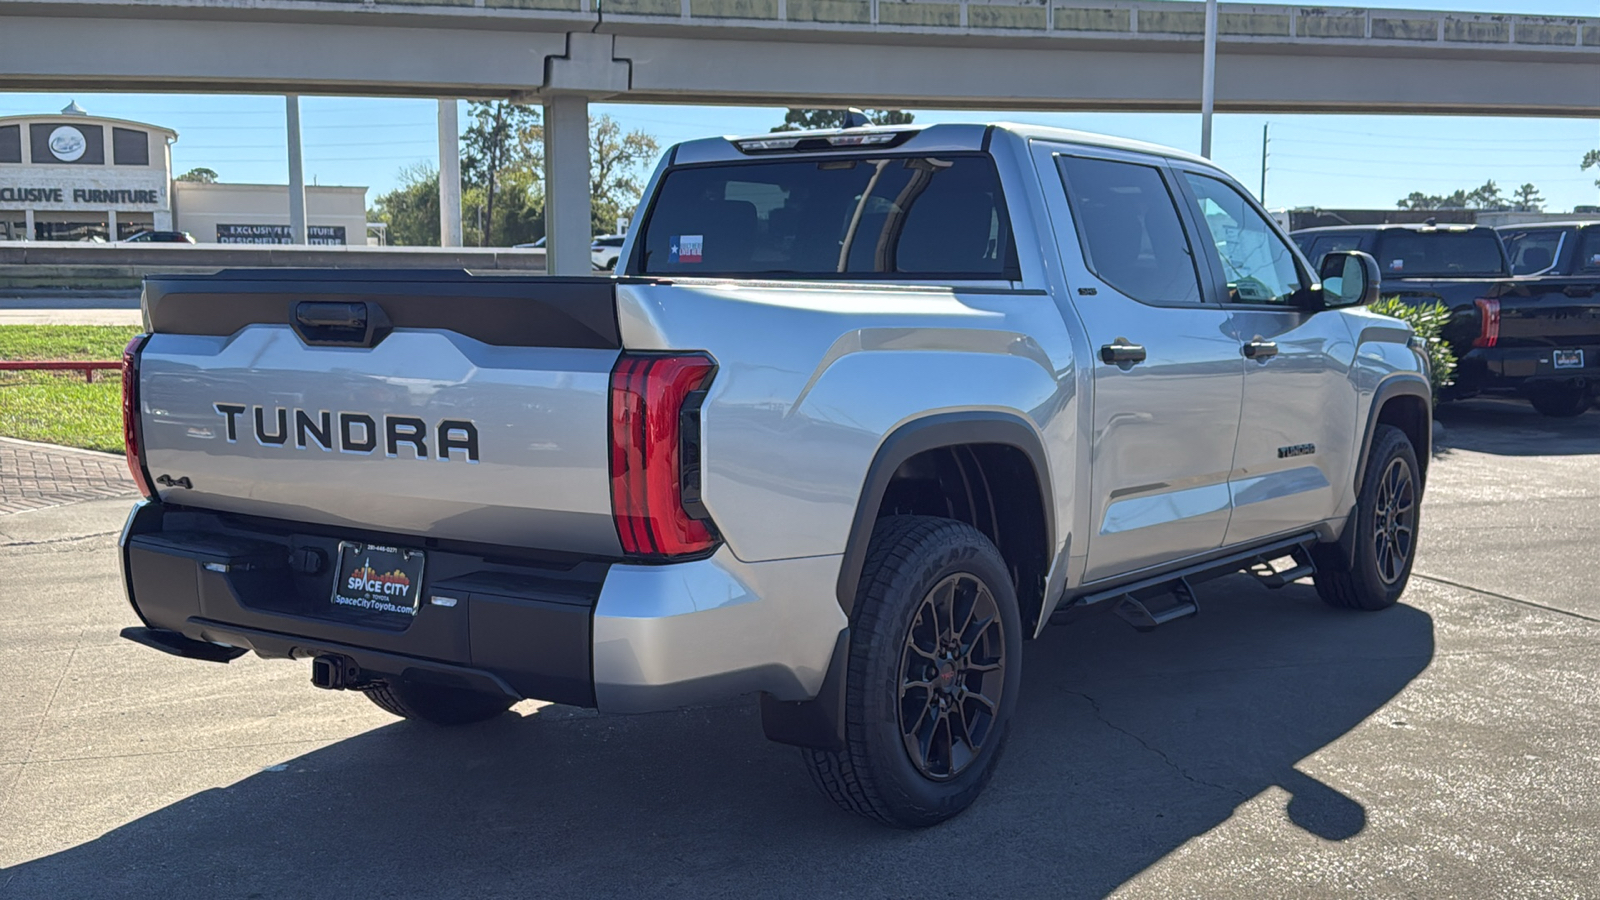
1534,335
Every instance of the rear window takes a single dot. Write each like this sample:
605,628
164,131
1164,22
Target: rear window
890,217
1532,251
1440,254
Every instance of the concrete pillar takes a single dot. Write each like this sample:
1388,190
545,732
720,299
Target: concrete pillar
111,225
449,175
297,174
566,185
27,220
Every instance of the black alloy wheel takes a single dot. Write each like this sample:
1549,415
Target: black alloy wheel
1371,564
1395,521
932,676
952,676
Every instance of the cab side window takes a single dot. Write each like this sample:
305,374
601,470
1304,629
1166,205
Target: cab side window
1259,265
1130,230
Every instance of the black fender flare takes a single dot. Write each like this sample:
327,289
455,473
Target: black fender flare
931,433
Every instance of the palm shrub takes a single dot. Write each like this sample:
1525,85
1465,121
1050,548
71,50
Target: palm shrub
1428,321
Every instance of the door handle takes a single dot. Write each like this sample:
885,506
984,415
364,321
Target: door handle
1260,350
1122,353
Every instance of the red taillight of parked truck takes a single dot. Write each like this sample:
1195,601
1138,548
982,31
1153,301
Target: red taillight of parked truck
131,432
655,454
1488,323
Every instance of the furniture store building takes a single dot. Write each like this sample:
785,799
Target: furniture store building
77,177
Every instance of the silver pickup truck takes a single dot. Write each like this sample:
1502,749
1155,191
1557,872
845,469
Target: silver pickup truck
864,411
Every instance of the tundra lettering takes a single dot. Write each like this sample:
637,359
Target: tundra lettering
358,432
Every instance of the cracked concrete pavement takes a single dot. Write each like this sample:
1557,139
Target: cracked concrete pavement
1268,747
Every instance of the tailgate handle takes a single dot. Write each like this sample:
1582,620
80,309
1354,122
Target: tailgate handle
329,323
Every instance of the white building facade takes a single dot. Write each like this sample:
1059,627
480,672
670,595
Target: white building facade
77,177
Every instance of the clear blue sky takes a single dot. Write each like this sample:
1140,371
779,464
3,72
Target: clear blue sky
1347,161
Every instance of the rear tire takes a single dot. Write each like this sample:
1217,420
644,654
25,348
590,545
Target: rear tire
1561,403
1387,517
436,704
932,676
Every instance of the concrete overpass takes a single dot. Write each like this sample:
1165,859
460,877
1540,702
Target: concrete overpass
952,54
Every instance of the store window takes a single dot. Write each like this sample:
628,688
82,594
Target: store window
70,231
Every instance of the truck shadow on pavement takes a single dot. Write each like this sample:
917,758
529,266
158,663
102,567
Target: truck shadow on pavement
1514,428
1125,747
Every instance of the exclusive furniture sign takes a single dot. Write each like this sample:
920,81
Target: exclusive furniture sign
279,234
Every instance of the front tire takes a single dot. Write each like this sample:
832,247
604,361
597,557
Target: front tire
436,704
1387,515
932,676
1561,403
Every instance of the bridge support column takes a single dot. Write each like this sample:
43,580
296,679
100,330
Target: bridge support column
449,175
588,71
566,185
297,173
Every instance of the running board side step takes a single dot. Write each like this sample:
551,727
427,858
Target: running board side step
1174,591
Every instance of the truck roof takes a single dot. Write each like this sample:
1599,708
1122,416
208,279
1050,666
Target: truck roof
1534,226
1395,226
948,136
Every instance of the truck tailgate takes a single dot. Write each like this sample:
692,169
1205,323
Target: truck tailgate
439,404
1544,312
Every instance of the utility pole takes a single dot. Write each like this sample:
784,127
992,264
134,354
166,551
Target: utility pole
1208,79
1264,142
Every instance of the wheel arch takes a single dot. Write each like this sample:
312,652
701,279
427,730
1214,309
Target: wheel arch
1406,402
1011,508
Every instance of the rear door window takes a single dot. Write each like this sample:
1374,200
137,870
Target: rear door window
1533,251
903,217
1128,225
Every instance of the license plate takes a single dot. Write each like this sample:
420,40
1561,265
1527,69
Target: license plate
1569,359
377,579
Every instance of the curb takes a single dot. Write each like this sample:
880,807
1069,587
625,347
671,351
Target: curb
37,445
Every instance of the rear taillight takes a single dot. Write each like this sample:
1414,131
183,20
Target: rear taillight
1488,323
130,414
655,454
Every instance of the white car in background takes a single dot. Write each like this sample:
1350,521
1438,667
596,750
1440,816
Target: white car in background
604,251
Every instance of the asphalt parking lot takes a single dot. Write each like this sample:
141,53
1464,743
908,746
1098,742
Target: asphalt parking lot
1270,747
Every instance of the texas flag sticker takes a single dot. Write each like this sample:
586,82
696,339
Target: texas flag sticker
686,248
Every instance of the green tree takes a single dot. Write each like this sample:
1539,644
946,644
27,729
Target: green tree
503,137
411,210
813,119
1487,197
1590,161
200,175
616,171
1527,199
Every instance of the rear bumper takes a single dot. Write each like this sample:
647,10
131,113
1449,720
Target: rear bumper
1519,369
623,638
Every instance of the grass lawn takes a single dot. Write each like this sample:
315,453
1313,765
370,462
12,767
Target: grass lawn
60,407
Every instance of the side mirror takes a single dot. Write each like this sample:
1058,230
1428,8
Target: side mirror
1349,278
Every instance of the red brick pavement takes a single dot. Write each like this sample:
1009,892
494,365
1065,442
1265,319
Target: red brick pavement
34,476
